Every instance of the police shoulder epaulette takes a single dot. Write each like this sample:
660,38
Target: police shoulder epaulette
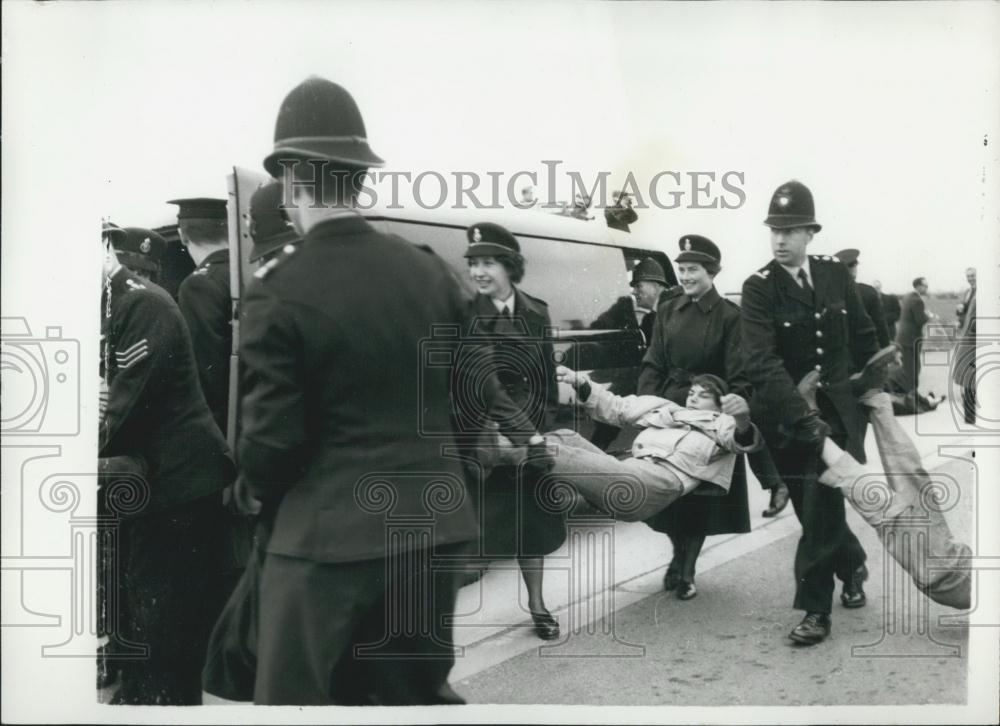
272,264
201,270
762,273
133,285
535,299
824,258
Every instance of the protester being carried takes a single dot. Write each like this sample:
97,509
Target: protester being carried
678,449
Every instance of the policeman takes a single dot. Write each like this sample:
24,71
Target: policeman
140,250
633,312
343,429
802,313
204,296
172,544
871,300
269,225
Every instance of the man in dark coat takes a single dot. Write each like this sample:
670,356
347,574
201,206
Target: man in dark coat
890,309
172,549
802,313
633,312
347,425
964,366
911,325
871,300
204,297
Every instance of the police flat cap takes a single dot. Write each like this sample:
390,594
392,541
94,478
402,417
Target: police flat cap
648,269
320,120
849,256
488,239
112,231
695,248
140,248
269,226
792,206
200,208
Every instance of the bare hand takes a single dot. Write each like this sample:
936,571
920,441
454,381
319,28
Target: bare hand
735,405
568,375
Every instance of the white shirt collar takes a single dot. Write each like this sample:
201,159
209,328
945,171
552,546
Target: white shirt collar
501,304
794,272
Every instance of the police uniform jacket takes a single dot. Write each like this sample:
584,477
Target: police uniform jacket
155,406
523,351
871,300
204,298
344,418
788,332
693,337
911,320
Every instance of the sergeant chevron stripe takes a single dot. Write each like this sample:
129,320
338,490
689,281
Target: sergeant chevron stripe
132,354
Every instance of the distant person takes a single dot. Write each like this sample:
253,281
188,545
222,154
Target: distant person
969,296
964,368
912,319
871,300
890,309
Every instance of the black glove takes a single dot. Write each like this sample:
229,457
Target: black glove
808,432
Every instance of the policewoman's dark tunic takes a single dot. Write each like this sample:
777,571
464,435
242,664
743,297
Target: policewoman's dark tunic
204,298
787,332
691,338
514,522
172,550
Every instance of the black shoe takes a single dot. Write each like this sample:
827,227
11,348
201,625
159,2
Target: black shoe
779,500
546,626
671,579
813,629
853,595
686,591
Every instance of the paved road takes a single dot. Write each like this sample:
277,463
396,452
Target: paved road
728,646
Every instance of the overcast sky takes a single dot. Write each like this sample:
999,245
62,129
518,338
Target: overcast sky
888,112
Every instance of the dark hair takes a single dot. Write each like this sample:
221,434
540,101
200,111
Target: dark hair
329,178
918,281
205,231
713,384
514,264
712,268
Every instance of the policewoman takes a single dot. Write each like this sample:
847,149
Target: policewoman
140,250
515,521
698,332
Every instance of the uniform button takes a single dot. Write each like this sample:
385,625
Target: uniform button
819,351
819,333
818,367
818,316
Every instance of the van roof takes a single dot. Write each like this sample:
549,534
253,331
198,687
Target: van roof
534,222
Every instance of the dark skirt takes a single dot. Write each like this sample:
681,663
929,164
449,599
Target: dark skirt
697,514
516,519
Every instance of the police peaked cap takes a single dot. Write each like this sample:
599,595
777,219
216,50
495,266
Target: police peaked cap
695,248
648,269
792,206
320,120
269,226
112,231
139,248
488,239
200,208
848,256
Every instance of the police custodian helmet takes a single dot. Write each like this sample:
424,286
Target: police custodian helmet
320,120
792,206
649,270
269,226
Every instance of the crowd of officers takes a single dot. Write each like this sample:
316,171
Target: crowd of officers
324,568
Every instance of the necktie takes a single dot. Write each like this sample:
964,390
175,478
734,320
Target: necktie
804,281
505,313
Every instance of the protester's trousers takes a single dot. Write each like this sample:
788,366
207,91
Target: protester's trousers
898,502
631,489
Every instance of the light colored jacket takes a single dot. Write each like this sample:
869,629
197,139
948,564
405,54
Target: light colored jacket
699,443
